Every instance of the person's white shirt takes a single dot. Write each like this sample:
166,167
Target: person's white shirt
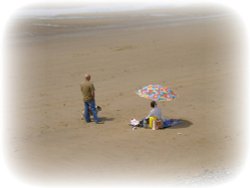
155,112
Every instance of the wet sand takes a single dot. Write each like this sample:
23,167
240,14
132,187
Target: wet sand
194,53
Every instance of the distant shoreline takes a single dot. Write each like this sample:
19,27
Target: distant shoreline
93,8
27,29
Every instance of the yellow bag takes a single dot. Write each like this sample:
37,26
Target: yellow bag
151,119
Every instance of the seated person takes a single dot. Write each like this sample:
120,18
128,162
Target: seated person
156,112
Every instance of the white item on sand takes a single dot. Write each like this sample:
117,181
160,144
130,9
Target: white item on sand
134,122
134,128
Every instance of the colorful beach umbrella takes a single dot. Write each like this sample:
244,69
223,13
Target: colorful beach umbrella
156,92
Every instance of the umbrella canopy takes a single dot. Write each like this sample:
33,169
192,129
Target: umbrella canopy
156,92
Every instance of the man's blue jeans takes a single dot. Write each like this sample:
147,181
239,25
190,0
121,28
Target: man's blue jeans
90,105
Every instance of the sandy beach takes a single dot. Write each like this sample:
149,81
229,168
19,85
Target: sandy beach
194,51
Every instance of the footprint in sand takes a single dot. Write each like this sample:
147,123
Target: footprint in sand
42,94
63,124
45,127
80,54
126,71
122,48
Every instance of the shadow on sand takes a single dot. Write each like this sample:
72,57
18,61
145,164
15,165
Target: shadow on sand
104,119
183,124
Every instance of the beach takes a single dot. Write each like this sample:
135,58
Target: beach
194,51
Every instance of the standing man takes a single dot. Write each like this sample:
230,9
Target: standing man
88,92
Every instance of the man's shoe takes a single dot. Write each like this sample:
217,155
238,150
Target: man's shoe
100,122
